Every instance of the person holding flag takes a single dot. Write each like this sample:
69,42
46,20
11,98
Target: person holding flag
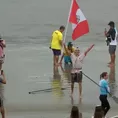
67,59
80,27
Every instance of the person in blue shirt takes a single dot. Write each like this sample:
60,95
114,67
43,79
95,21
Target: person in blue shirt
104,90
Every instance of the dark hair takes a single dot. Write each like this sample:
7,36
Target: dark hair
111,23
103,75
62,28
98,112
74,112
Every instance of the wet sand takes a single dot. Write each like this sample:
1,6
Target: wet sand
32,70
26,26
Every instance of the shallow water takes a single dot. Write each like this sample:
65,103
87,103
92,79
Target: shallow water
26,26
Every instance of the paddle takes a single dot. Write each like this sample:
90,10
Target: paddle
114,97
46,90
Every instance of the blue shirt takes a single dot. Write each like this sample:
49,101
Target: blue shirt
67,59
104,89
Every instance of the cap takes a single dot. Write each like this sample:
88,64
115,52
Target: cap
69,44
111,23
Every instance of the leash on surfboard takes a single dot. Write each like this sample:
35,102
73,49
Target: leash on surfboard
113,97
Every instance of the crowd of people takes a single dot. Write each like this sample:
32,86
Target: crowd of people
73,60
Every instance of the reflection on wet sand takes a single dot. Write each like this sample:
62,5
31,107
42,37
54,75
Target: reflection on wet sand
66,74
56,83
66,80
112,81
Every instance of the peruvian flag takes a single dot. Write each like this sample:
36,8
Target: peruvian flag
78,21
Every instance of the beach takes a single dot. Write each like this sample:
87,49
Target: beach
27,26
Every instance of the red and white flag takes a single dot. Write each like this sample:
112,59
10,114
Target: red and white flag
78,20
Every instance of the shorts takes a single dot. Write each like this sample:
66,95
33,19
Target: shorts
56,52
68,67
1,102
76,77
112,49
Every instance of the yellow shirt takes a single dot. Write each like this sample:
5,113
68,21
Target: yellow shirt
57,36
65,54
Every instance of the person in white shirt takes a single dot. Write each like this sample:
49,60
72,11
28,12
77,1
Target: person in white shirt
112,35
76,72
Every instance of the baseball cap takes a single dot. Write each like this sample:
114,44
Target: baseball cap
69,44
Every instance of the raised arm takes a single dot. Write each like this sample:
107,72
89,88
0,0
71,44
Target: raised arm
89,49
67,51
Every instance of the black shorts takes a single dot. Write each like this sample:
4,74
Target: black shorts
1,102
76,77
56,52
112,49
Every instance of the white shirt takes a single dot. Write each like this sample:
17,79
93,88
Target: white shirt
114,42
77,62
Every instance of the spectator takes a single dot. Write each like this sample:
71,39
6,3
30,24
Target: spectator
98,112
75,113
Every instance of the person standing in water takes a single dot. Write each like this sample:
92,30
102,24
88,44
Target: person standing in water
76,72
112,36
67,61
2,81
56,44
104,90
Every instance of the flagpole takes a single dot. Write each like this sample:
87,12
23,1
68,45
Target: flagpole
66,29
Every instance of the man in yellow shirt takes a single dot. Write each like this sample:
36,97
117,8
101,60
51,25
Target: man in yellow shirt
56,44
